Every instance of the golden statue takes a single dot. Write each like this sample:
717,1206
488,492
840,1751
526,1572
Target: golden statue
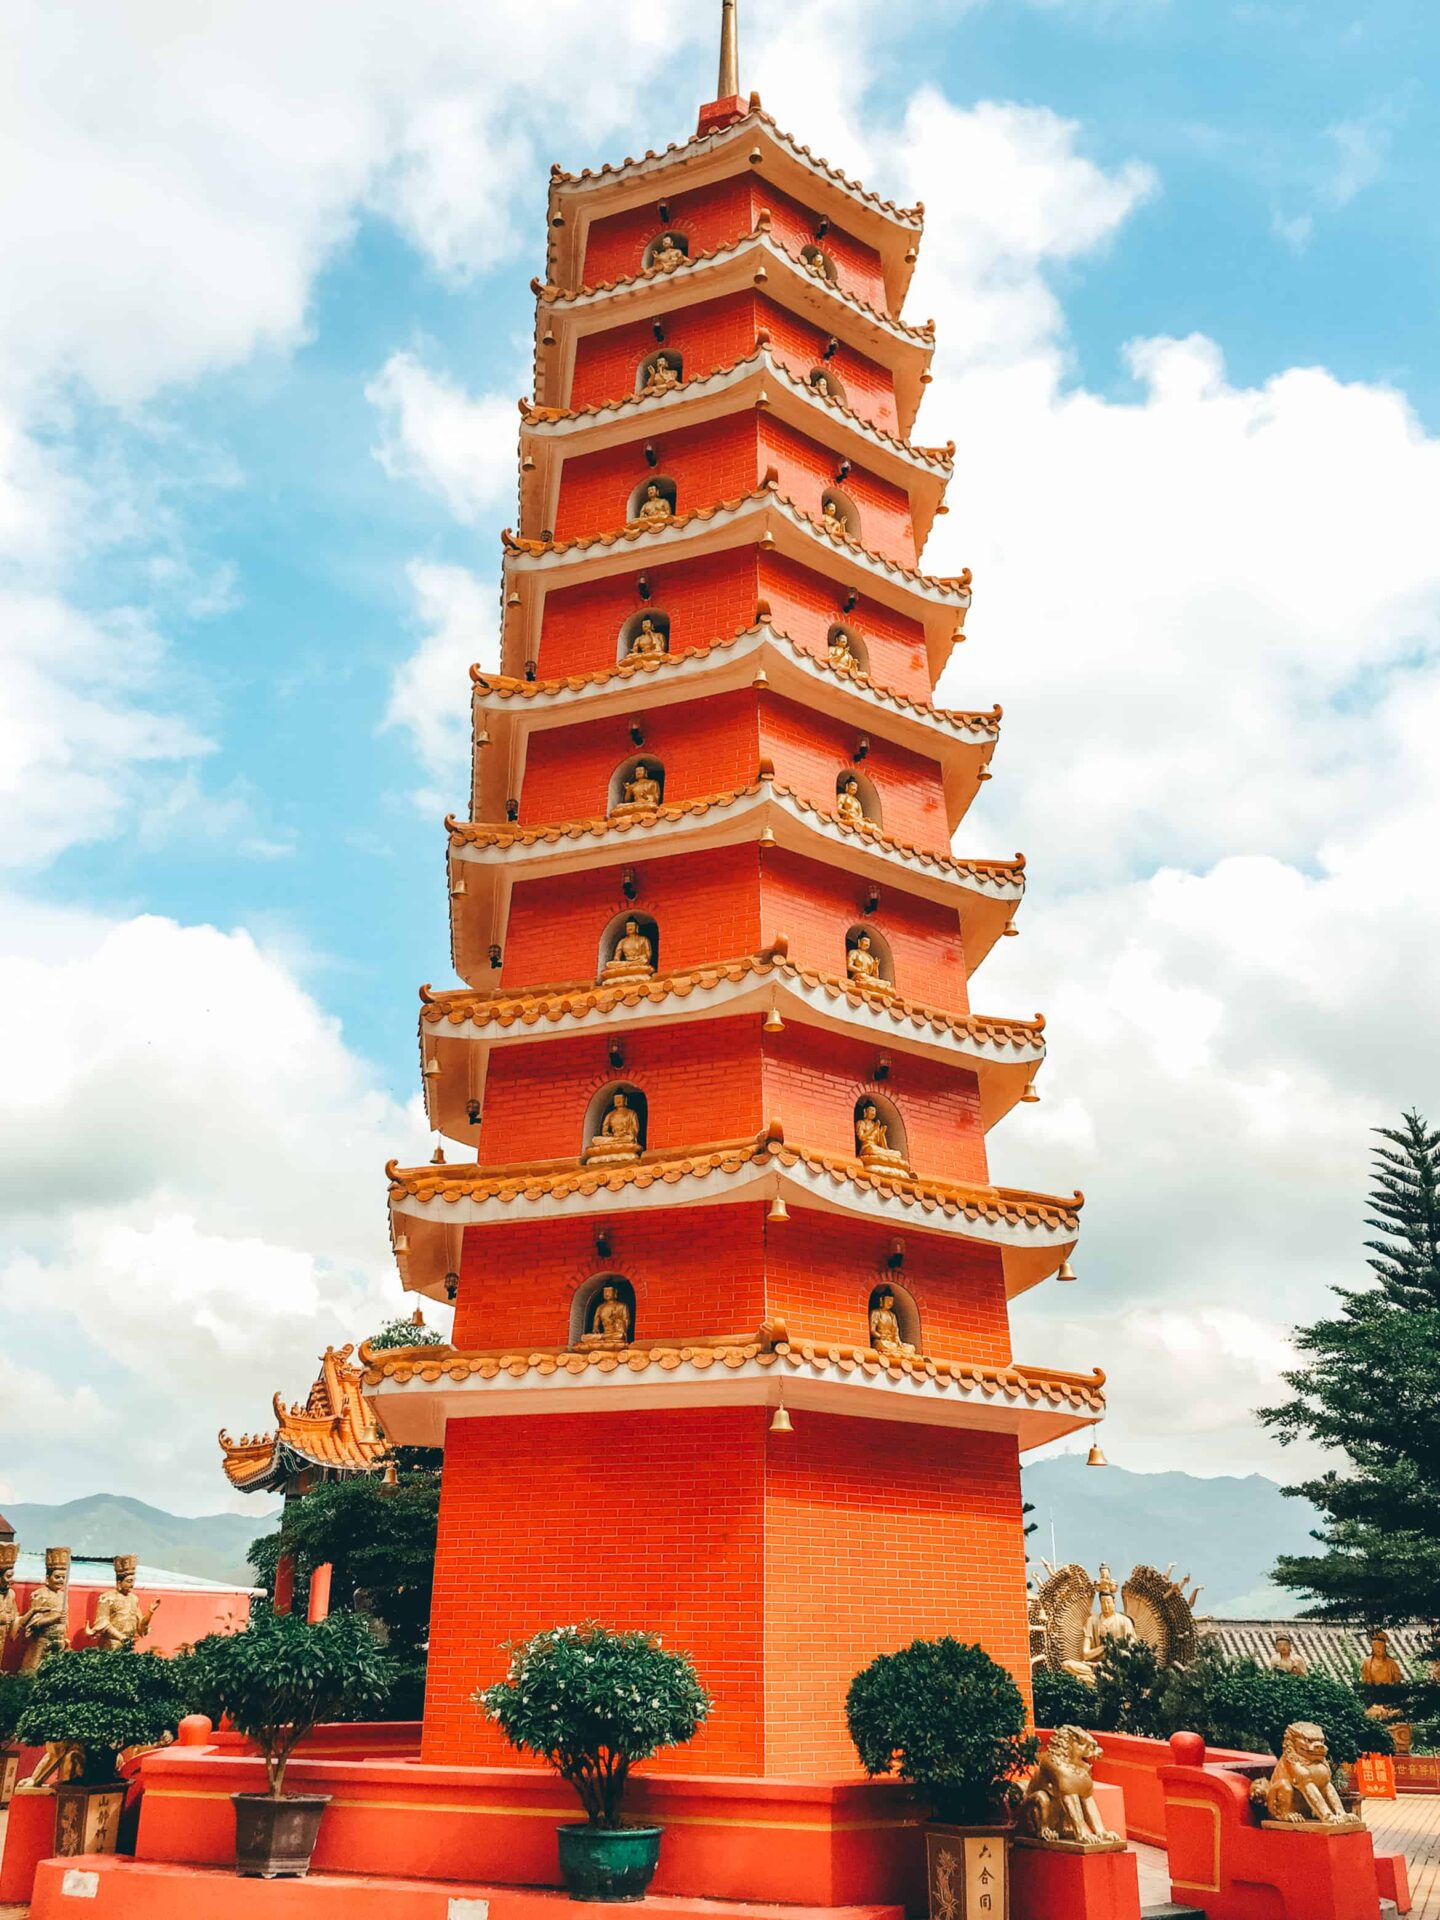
832,518
1380,1668
862,964
1285,1659
1156,1610
814,261
841,657
642,792
885,1336
610,1323
1300,1792
662,375
847,803
9,1609
648,642
654,508
61,1762
872,1139
668,255
44,1624
633,958
619,1135
119,1619
821,384
1058,1808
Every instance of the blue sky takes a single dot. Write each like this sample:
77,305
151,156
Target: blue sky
218,482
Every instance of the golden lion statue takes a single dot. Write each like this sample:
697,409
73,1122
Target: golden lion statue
1300,1789
1058,1808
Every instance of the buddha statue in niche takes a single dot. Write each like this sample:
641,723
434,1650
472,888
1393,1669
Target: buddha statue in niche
872,1141
832,518
848,805
619,1136
885,1334
668,255
654,508
633,958
609,1322
862,964
642,792
840,653
662,375
648,642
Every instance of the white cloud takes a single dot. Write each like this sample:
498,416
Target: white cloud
432,432
193,1200
459,618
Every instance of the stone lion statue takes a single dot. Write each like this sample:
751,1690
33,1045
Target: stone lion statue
1301,1789
1058,1808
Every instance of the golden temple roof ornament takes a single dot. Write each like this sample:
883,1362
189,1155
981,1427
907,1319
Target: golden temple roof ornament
728,85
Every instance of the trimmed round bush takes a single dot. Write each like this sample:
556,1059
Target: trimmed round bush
103,1702
1062,1701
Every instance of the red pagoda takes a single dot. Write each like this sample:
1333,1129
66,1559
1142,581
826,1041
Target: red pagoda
731,1352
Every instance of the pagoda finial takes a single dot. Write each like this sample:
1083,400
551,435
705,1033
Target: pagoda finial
729,83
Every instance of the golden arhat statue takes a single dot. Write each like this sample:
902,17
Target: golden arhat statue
44,1624
9,1607
1080,1618
119,1618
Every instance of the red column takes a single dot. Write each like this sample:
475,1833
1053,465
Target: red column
319,1593
284,1583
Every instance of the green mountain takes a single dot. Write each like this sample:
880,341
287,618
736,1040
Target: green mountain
211,1545
1224,1532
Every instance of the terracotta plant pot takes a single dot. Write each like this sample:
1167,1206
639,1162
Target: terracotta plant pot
967,1872
608,1863
276,1837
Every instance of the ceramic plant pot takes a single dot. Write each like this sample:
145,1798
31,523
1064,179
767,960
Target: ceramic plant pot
608,1863
276,1837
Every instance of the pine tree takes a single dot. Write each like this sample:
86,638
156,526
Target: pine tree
1370,1389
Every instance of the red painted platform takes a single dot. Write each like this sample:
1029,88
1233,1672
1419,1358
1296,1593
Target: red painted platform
115,1889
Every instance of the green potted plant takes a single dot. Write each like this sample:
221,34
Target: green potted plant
278,1680
87,1707
949,1720
14,1693
593,1702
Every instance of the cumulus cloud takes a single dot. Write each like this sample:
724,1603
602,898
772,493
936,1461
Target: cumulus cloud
459,620
432,432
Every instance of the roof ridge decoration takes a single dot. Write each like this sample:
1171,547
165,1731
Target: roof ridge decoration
507,834
505,1006
331,1428
611,170
508,686
534,414
548,294
535,1180
952,586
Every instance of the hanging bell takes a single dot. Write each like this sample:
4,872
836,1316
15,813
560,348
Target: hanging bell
1067,1272
780,1421
1029,1097
773,1022
1095,1458
778,1209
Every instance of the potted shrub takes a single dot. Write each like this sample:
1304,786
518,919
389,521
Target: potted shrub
951,1721
14,1693
593,1702
278,1680
87,1707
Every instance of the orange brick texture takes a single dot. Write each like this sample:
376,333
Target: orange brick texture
781,1563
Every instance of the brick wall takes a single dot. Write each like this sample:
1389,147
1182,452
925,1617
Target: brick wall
706,599
702,746
805,604
811,750
807,471
718,460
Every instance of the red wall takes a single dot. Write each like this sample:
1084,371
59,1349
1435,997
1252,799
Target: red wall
718,460
808,469
707,599
184,1615
703,746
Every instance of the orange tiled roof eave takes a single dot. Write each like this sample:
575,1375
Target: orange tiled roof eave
331,1429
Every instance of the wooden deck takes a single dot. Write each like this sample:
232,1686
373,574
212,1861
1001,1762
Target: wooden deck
1411,1825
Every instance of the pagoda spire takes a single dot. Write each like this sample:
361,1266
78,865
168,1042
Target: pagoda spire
728,85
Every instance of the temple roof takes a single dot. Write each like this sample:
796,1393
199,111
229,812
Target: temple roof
331,1428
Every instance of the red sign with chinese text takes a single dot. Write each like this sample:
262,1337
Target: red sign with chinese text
1375,1776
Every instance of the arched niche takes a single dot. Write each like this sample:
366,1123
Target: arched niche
653,488
645,924
636,636
656,254
827,383
886,1111
602,1102
843,638
864,792
631,770
904,1309
836,505
819,262
660,370
878,948
587,1297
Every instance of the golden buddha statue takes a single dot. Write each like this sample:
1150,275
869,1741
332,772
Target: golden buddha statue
120,1620
654,508
814,261
1380,1668
847,803
619,1135
668,254
885,1335
872,1141
1100,1629
662,375
44,1625
832,518
610,1322
642,792
821,384
633,958
840,654
1285,1659
649,641
862,964
9,1607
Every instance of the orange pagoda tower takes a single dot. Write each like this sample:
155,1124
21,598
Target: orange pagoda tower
731,1355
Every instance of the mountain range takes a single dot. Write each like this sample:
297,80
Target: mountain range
211,1545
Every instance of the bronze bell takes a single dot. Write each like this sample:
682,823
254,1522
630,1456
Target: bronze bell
1095,1457
780,1421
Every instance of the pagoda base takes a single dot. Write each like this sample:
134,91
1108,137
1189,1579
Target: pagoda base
798,1843
117,1889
